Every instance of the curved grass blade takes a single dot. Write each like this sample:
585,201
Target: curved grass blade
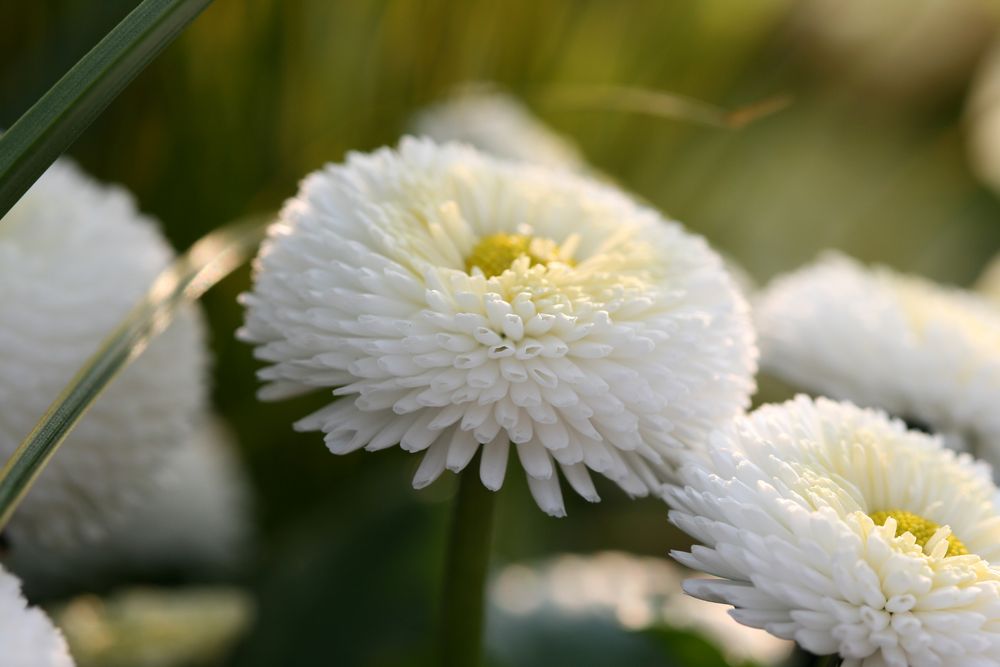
630,99
54,122
207,262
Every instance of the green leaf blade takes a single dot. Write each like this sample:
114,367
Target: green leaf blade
55,121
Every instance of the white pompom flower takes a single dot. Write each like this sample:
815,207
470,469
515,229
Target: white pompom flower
835,526
75,256
27,636
500,125
923,352
458,302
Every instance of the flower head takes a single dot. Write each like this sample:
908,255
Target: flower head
27,636
75,256
918,350
500,125
609,340
835,526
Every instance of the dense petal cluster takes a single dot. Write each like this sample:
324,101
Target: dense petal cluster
75,256
783,506
500,125
918,350
628,342
27,636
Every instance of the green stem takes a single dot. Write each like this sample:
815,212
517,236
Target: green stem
802,658
54,122
207,262
466,564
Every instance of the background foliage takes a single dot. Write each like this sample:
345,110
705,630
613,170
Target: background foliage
870,158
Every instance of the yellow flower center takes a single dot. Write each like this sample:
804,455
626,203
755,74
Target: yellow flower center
495,253
922,529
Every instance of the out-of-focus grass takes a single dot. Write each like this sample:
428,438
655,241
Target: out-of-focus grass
258,93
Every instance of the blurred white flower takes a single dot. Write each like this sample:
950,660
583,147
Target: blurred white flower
195,520
500,125
834,526
198,518
27,636
637,592
908,48
458,302
921,351
75,256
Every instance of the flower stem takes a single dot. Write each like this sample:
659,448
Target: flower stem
466,563
802,658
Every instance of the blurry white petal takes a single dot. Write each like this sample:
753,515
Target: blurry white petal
27,636
75,256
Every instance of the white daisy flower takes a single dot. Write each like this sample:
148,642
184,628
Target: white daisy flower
27,636
75,256
834,526
195,520
500,125
458,302
921,351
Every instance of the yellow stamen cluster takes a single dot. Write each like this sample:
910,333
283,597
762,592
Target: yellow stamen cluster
922,529
495,253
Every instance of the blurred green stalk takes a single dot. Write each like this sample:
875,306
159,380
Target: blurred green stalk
466,564
54,122
207,262
803,658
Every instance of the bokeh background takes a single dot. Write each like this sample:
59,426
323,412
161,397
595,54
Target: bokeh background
874,156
